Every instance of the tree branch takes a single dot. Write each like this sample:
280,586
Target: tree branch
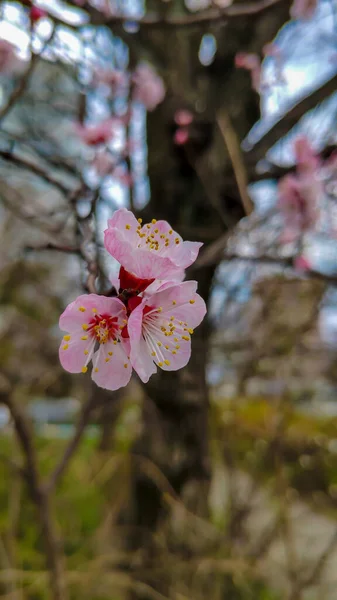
73,444
257,151
207,17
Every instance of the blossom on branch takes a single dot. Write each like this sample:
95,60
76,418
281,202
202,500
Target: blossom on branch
160,328
148,87
153,250
94,324
151,321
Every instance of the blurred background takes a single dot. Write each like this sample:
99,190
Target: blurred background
218,481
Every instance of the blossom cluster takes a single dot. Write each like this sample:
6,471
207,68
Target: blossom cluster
151,321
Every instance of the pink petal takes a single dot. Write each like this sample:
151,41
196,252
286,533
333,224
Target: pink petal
120,220
76,353
74,316
184,254
111,371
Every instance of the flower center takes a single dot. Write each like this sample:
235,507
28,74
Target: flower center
104,328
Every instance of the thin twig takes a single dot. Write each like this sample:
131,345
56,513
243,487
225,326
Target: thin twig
235,154
73,444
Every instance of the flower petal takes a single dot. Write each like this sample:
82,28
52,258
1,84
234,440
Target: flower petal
111,366
125,222
76,353
185,253
81,310
140,355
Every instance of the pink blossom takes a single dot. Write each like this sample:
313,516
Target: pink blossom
251,62
151,251
160,328
94,324
303,9
306,157
181,136
183,117
104,163
9,62
148,87
92,135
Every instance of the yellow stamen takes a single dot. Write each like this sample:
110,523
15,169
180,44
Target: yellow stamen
170,232
190,330
177,241
127,226
160,344
174,302
86,352
84,369
84,337
96,370
115,342
125,365
167,347
167,362
174,352
192,301
154,221
94,310
81,309
160,309
110,353
66,338
65,347
84,326
107,359
160,364
153,354
185,337
177,346
140,221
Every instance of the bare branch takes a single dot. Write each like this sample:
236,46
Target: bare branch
73,444
207,17
258,150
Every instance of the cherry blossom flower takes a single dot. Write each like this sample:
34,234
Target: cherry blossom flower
183,117
251,62
306,158
93,135
300,193
151,251
160,327
181,136
148,87
93,326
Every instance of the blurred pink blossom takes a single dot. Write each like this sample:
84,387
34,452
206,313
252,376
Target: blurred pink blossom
104,163
148,87
251,62
183,117
300,193
306,157
92,135
303,9
181,136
